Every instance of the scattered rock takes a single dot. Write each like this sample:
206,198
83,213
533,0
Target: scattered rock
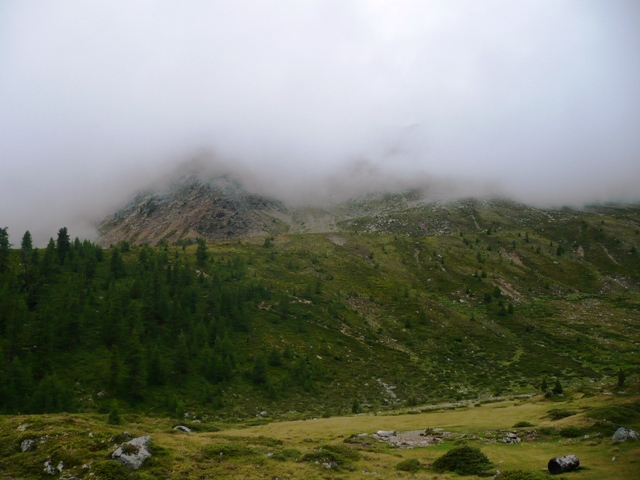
511,438
22,427
27,445
49,468
622,434
563,464
182,428
133,453
410,439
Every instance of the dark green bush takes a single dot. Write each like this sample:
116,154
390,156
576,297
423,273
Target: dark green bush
114,414
523,425
287,454
571,432
620,414
559,413
344,451
227,450
463,460
409,465
324,457
111,470
333,456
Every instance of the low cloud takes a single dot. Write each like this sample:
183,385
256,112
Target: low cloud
315,101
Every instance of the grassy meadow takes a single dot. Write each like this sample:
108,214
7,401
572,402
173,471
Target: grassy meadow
286,449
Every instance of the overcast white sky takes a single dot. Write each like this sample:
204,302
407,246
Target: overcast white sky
539,99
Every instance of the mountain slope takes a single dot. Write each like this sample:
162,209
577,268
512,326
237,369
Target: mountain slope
313,322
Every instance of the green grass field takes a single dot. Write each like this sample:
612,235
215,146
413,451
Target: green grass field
277,449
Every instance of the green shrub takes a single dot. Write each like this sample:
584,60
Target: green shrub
571,432
547,430
227,450
325,457
523,425
333,456
344,451
287,454
559,413
111,470
114,414
463,460
409,465
620,414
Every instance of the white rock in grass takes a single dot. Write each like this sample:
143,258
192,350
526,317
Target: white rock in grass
133,453
27,445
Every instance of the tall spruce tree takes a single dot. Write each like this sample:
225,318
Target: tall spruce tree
4,250
117,264
63,245
137,374
201,252
114,370
26,254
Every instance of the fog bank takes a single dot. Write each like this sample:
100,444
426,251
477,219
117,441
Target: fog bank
314,101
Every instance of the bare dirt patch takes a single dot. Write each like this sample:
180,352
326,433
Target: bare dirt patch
511,256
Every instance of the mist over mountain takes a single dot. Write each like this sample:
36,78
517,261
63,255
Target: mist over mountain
538,102
205,200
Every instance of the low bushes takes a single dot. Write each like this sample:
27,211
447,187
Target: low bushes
560,413
463,460
409,465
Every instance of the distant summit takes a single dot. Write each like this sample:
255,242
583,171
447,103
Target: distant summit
194,206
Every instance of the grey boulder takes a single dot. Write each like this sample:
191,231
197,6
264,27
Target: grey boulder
133,453
623,434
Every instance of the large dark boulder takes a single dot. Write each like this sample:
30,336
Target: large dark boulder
563,464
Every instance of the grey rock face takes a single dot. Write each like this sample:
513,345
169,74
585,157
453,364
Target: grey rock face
622,434
133,453
386,433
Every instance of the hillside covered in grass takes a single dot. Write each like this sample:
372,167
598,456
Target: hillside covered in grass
375,315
